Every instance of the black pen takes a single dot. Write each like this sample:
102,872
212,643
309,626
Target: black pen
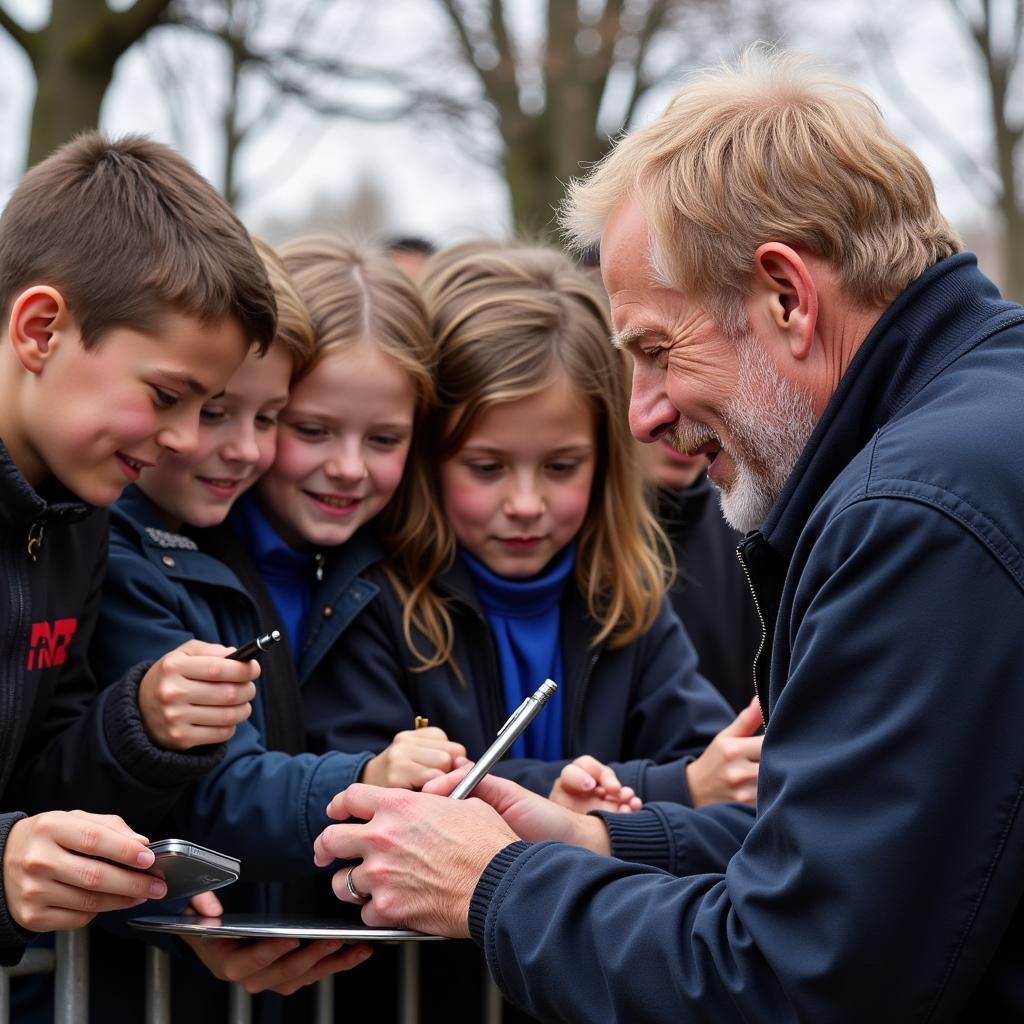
507,735
254,648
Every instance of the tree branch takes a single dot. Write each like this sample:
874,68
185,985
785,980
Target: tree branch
130,25
21,35
971,173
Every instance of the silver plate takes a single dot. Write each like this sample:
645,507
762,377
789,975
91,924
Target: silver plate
259,926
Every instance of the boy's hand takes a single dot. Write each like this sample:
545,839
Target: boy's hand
50,886
275,965
194,695
414,757
588,785
727,770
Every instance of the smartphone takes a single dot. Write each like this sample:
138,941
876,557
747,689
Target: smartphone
189,868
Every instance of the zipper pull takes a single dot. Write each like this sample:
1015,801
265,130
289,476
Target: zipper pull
35,539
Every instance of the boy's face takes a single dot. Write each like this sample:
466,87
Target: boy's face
96,418
237,436
341,451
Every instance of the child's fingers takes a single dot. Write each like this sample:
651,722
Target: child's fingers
577,780
746,723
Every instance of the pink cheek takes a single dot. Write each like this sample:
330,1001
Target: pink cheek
292,462
468,505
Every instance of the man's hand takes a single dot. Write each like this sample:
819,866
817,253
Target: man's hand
588,785
275,965
529,815
421,855
727,770
414,757
48,883
194,695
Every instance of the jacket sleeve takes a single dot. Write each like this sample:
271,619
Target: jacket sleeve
281,798
13,938
889,821
102,728
673,714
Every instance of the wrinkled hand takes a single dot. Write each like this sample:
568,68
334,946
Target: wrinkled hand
194,695
727,770
49,885
529,815
422,855
414,757
588,785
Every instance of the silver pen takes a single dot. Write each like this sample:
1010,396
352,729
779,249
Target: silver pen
507,735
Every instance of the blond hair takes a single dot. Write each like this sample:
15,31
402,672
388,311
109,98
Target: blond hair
355,295
510,320
771,149
294,328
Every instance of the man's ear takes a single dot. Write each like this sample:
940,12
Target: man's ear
784,287
38,314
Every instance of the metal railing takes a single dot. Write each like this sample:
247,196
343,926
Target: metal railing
68,961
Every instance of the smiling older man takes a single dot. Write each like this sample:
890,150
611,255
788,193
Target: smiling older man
797,309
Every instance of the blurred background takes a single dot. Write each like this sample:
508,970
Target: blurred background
448,119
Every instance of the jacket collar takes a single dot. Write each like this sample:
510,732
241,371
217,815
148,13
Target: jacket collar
948,310
22,504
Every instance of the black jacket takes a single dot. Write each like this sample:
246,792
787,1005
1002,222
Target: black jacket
710,593
642,708
63,745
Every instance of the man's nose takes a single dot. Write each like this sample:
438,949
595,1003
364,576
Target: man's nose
650,411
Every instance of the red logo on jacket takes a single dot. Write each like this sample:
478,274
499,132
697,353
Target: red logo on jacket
48,645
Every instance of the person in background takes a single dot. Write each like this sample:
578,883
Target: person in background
797,309
129,294
409,253
709,592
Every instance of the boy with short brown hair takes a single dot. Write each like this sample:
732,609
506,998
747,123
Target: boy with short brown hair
129,294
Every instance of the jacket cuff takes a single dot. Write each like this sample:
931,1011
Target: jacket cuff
13,938
641,837
335,771
486,886
666,783
132,746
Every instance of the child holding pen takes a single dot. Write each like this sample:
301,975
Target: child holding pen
170,574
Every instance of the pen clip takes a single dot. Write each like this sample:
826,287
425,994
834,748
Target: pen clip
515,714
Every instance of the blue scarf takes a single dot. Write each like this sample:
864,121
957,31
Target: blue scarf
287,574
525,619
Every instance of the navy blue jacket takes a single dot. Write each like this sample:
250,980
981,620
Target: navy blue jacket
642,708
882,877
264,802
63,744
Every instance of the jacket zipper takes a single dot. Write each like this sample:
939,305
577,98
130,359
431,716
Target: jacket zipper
764,630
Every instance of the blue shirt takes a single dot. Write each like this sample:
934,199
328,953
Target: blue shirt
526,622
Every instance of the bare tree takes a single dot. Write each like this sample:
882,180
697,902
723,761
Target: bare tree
73,57
995,29
558,98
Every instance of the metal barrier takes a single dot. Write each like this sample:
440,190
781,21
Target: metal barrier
69,963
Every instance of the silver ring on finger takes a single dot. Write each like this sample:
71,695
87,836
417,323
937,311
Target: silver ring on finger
359,897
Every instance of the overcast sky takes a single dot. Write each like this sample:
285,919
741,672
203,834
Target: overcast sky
432,187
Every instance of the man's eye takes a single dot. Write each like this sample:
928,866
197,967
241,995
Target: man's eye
657,355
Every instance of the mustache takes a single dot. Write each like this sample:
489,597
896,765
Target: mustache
686,437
